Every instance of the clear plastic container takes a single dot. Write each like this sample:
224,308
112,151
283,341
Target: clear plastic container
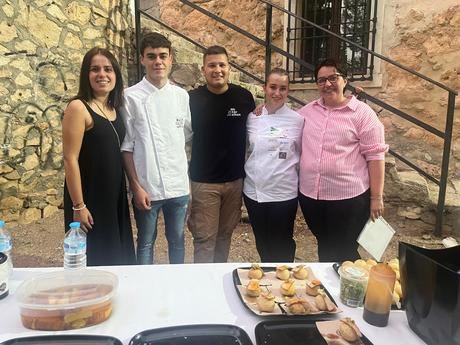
67,299
353,285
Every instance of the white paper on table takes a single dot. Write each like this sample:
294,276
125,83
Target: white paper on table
375,237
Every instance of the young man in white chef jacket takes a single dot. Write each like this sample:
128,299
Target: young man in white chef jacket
158,124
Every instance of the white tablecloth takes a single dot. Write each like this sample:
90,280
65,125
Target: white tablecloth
167,295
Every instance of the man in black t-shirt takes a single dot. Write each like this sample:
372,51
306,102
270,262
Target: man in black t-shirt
219,111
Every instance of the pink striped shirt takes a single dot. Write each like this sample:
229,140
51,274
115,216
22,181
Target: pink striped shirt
336,146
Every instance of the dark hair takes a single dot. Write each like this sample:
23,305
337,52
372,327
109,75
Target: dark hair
214,50
154,40
330,62
85,92
279,71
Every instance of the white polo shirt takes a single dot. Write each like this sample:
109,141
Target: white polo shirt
275,142
158,124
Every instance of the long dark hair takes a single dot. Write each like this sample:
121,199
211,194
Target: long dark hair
85,92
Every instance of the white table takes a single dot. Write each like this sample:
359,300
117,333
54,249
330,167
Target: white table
167,295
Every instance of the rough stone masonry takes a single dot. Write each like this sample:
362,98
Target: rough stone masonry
42,44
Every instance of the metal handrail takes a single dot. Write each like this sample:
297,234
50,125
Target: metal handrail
446,135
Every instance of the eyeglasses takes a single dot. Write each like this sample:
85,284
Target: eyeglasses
332,79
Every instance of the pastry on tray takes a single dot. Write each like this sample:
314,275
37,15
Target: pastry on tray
300,272
269,295
266,302
300,306
255,272
282,272
323,302
312,287
288,288
253,288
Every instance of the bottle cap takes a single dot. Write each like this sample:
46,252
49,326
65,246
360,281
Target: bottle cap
2,223
74,225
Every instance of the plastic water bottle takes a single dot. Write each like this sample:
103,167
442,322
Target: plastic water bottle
6,244
75,247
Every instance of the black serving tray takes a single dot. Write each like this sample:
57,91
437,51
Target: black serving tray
336,266
292,332
193,335
322,316
68,339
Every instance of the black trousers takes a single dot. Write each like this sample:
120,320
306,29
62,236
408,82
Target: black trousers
273,226
336,225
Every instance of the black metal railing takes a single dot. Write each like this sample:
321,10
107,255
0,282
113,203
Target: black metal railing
270,48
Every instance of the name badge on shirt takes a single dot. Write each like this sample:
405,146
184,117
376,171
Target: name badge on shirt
284,144
276,144
180,122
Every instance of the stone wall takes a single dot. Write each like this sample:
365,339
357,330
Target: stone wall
42,43
426,38
249,15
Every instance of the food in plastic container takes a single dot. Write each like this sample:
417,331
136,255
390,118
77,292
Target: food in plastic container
353,285
66,299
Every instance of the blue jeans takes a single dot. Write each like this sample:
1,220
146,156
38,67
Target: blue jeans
174,212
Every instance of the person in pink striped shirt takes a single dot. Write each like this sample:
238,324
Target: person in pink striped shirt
342,165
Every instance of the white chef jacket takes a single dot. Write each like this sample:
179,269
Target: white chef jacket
274,145
158,124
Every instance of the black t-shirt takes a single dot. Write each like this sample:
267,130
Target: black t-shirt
219,133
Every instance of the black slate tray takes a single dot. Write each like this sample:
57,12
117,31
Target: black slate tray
193,335
69,339
322,316
336,266
292,332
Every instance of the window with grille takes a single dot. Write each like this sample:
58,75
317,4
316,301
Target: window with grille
351,19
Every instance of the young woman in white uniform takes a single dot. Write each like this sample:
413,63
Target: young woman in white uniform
271,183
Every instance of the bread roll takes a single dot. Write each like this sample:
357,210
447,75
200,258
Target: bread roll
282,272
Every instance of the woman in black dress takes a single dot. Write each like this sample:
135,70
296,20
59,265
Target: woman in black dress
95,188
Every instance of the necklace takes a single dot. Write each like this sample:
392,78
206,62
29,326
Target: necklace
111,124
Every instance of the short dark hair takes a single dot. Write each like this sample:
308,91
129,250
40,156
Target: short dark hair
85,92
330,62
214,50
154,40
279,71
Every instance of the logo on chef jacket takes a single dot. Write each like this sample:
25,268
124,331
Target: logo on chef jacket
233,113
180,122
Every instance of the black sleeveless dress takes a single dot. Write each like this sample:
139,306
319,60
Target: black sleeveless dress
110,241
